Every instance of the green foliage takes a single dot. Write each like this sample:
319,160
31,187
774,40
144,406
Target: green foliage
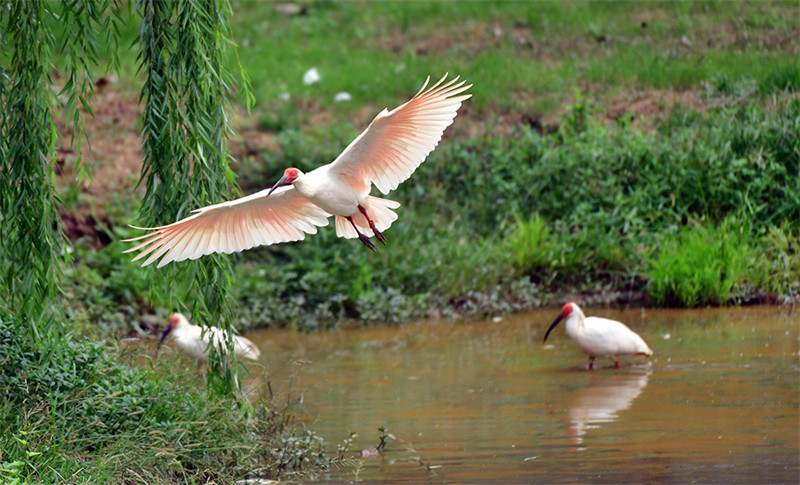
299,452
529,245
604,193
32,252
702,265
778,270
88,29
383,435
105,292
70,412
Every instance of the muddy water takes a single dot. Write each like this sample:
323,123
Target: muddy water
485,402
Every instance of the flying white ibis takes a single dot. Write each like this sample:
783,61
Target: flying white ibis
600,337
194,341
385,154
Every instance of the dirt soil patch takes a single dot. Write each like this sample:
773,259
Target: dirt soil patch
653,102
113,157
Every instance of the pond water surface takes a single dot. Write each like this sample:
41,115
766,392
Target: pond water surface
485,402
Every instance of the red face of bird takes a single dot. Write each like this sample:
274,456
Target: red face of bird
174,320
565,311
289,176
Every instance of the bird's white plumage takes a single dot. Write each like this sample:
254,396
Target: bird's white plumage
385,154
600,337
192,340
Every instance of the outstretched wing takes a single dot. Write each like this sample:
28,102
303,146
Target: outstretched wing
397,141
233,226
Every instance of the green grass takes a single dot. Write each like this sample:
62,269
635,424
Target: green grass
509,49
522,57
705,264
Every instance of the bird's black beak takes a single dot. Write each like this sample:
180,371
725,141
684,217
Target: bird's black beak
552,327
163,337
277,184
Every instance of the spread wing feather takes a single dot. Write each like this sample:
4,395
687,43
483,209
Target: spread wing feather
228,227
398,141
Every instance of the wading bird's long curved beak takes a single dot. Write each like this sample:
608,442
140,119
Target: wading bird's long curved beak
163,337
277,184
552,327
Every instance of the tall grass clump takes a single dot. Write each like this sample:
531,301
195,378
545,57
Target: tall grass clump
529,244
781,78
778,268
704,264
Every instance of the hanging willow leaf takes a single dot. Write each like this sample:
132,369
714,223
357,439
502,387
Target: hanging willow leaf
186,161
30,249
185,132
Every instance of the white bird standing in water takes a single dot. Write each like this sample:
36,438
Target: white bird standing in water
600,337
385,154
194,341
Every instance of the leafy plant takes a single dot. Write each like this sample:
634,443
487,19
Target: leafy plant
383,435
529,245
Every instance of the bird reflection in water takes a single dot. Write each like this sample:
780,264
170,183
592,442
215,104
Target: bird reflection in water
602,401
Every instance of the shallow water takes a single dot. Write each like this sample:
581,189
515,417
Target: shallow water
486,402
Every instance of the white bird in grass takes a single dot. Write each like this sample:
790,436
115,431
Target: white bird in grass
385,154
600,337
194,341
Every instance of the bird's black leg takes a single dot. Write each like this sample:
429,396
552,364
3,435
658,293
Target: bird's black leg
591,363
378,235
364,239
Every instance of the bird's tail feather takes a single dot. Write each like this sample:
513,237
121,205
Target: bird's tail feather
379,210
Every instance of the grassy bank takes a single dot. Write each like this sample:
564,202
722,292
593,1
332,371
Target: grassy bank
694,208
527,57
74,412
601,142
495,224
